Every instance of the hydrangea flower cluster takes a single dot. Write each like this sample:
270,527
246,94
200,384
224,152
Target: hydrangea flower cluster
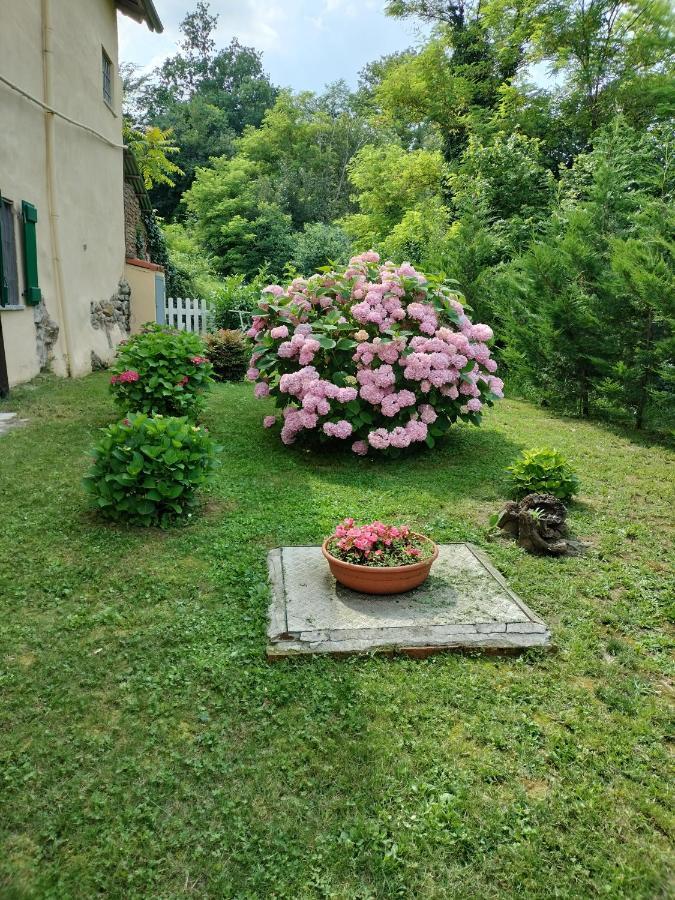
377,544
126,377
379,355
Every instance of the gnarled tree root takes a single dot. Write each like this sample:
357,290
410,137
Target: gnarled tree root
538,525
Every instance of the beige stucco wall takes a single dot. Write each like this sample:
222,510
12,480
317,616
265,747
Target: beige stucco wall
142,283
87,174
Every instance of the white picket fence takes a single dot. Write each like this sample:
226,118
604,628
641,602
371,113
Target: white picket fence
187,314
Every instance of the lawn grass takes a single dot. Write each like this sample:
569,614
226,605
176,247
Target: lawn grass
147,749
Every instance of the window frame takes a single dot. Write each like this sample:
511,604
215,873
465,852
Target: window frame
107,79
9,241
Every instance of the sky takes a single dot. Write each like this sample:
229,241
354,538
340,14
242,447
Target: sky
305,43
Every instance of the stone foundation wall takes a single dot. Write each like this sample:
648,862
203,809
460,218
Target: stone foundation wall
115,312
46,334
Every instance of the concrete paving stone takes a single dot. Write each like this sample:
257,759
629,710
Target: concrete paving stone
465,603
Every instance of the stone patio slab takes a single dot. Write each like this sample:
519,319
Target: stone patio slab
464,604
10,420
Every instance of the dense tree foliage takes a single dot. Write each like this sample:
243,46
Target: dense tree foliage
523,149
207,97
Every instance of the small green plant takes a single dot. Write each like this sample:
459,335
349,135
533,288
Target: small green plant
543,470
147,469
161,371
229,353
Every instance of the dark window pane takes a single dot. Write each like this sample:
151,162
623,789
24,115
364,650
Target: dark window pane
107,77
9,263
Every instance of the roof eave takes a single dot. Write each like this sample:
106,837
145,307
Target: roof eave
142,11
132,174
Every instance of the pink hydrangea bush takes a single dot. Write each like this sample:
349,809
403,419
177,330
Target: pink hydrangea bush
377,544
379,356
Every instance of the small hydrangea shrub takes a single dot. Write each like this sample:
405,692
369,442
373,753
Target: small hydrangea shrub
378,355
543,471
229,353
161,371
377,544
147,469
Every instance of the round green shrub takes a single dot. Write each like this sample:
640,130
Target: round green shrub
163,371
543,471
229,353
147,469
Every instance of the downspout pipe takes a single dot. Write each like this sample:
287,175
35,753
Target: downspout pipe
47,56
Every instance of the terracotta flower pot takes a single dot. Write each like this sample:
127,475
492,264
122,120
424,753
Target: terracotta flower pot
380,579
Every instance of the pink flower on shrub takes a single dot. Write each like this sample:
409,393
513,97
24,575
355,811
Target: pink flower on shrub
341,429
269,421
497,386
199,360
307,351
406,269
125,377
427,414
184,380
379,439
481,333
252,373
397,365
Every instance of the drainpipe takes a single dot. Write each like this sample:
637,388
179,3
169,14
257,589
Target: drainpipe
47,54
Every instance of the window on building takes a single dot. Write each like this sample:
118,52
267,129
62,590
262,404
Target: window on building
107,71
9,270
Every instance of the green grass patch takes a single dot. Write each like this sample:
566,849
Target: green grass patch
147,749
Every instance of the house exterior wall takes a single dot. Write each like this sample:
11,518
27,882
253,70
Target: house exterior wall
87,181
141,279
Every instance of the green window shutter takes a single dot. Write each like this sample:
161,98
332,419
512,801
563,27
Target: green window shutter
4,287
32,292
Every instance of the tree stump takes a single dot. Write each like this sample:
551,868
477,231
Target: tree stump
538,524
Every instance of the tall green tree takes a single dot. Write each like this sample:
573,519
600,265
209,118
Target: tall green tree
303,147
290,172
579,327
389,182
642,381
235,222
206,96
454,81
613,54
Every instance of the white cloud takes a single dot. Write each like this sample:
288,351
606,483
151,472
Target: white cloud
305,43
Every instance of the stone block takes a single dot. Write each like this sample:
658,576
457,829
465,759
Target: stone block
465,604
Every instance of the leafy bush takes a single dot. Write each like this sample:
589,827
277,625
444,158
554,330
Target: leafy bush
228,353
378,354
543,470
232,295
161,371
147,469
178,282
318,245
